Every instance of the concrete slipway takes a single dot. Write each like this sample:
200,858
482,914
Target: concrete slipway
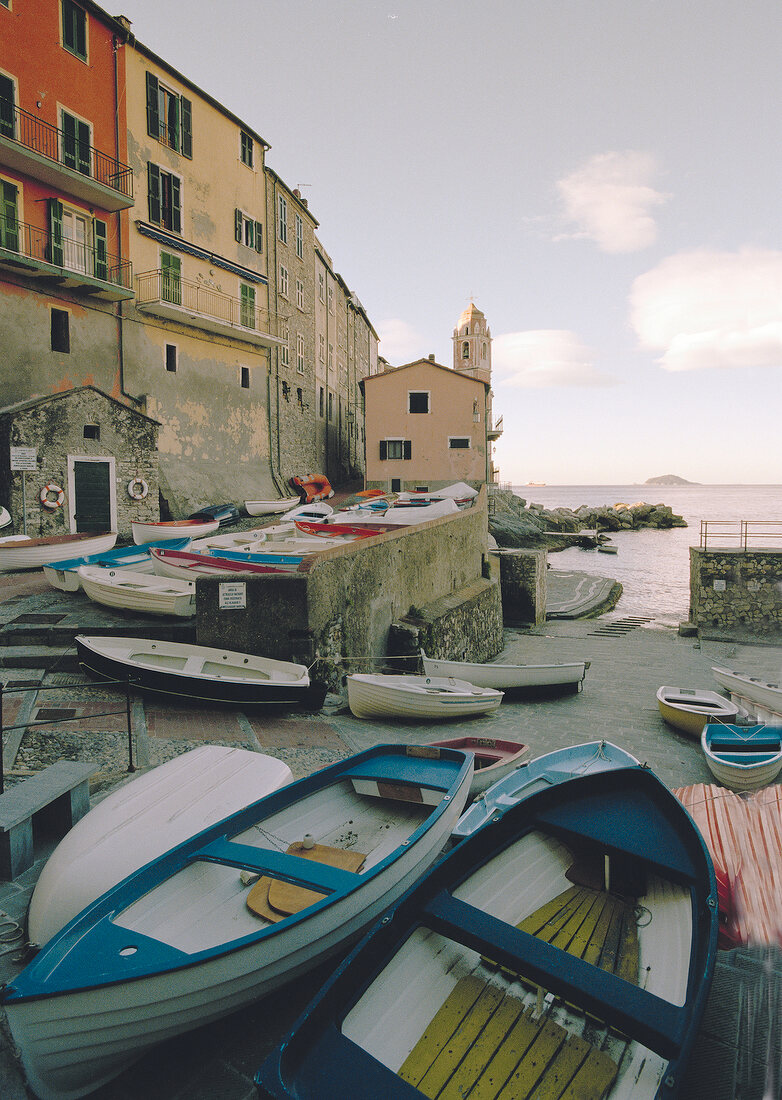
629,658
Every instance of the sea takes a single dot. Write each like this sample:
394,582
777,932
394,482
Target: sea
654,566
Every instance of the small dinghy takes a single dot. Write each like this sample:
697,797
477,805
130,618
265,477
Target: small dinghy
183,941
380,695
20,552
225,514
510,677
330,530
317,511
535,775
186,565
312,487
141,820
689,709
566,950
751,690
270,507
142,592
198,672
493,758
743,758
65,574
158,530
5,517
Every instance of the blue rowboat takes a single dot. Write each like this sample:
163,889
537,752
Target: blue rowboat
185,940
64,575
565,949
535,775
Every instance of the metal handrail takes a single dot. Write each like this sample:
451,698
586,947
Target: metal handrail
741,534
50,142
167,286
78,258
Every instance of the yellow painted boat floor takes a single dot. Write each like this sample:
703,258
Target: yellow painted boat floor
487,1042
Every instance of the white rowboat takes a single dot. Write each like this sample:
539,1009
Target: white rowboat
743,758
509,677
750,689
142,592
19,552
377,695
156,531
270,507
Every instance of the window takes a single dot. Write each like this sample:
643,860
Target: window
169,117
418,402
331,357
92,431
74,29
299,237
247,305
286,391
321,287
76,251
331,405
76,143
9,216
7,100
245,378
465,350
284,348
282,218
300,397
299,294
171,278
458,443
483,351
283,281
300,353
322,349
320,401
171,358
246,149
165,198
61,330
6,3
395,449
331,299
248,231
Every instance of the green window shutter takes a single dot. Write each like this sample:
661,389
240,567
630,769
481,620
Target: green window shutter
82,148
55,250
238,220
172,122
153,180
247,306
153,121
68,140
9,226
101,254
407,449
171,278
6,106
187,128
383,450
176,205
259,236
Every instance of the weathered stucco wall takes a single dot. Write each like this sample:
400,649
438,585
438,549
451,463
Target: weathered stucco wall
736,592
341,611
523,579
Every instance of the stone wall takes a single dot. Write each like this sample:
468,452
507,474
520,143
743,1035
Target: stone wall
523,580
340,612
466,626
736,592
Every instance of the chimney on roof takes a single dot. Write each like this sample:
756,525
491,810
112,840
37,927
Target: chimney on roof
431,359
123,22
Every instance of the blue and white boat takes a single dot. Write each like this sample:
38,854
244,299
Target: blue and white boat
535,775
184,940
64,574
743,758
564,950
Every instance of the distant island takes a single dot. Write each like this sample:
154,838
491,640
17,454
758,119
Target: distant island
669,479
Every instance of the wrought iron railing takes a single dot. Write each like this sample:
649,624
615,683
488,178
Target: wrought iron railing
76,256
168,287
741,535
65,149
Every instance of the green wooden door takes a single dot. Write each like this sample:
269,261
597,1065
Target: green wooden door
92,496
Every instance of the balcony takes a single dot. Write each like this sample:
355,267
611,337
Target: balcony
495,432
70,264
34,147
168,295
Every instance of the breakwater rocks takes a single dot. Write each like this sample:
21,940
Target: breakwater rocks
515,523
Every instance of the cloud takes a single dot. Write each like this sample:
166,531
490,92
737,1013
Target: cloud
400,342
711,309
610,199
544,358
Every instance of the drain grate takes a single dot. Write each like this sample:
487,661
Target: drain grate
32,619
54,714
619,627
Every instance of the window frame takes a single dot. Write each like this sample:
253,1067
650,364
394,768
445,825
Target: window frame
300,295
282,219
300,353
171,355
419,393
404,446
244,377
156,195
300,236
284,282
9,235
247,149
455,440
285,348
69,8
79,165
64,330
174,133
247,301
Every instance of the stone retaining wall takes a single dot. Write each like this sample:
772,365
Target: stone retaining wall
736,591
466,626
523,579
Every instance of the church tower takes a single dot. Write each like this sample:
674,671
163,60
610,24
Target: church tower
472,344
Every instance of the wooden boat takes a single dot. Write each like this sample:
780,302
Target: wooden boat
158,530
743,758
225,514
519,966
184,564
535,775
751,690
461,492
510,677
198,672
403,515
343,530
19,552
312,487
233,540
269,507
141,592
183,941
5,517
493,758
65,576
379,695
689,709
140,821
317,511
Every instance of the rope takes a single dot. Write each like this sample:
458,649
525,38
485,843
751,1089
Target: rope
11,935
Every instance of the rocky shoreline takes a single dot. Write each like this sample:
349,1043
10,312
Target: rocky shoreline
515,523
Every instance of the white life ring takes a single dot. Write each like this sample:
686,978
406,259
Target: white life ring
59,496
137,488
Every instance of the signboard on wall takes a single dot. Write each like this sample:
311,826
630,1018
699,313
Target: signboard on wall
233,595
24,458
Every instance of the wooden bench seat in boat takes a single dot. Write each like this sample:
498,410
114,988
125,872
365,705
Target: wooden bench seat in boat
318,876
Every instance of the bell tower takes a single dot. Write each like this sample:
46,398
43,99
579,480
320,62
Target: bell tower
472,344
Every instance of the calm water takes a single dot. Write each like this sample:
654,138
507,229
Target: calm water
654,566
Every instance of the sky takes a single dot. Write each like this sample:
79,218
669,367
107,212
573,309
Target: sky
603,178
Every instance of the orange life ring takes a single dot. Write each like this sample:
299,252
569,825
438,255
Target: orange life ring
59,496
137,488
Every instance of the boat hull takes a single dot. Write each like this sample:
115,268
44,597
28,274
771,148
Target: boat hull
172,529
270,507
24,553
185,565
379,697
750,689
689,709
493,758
64,574
509,677
743,758
138,591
